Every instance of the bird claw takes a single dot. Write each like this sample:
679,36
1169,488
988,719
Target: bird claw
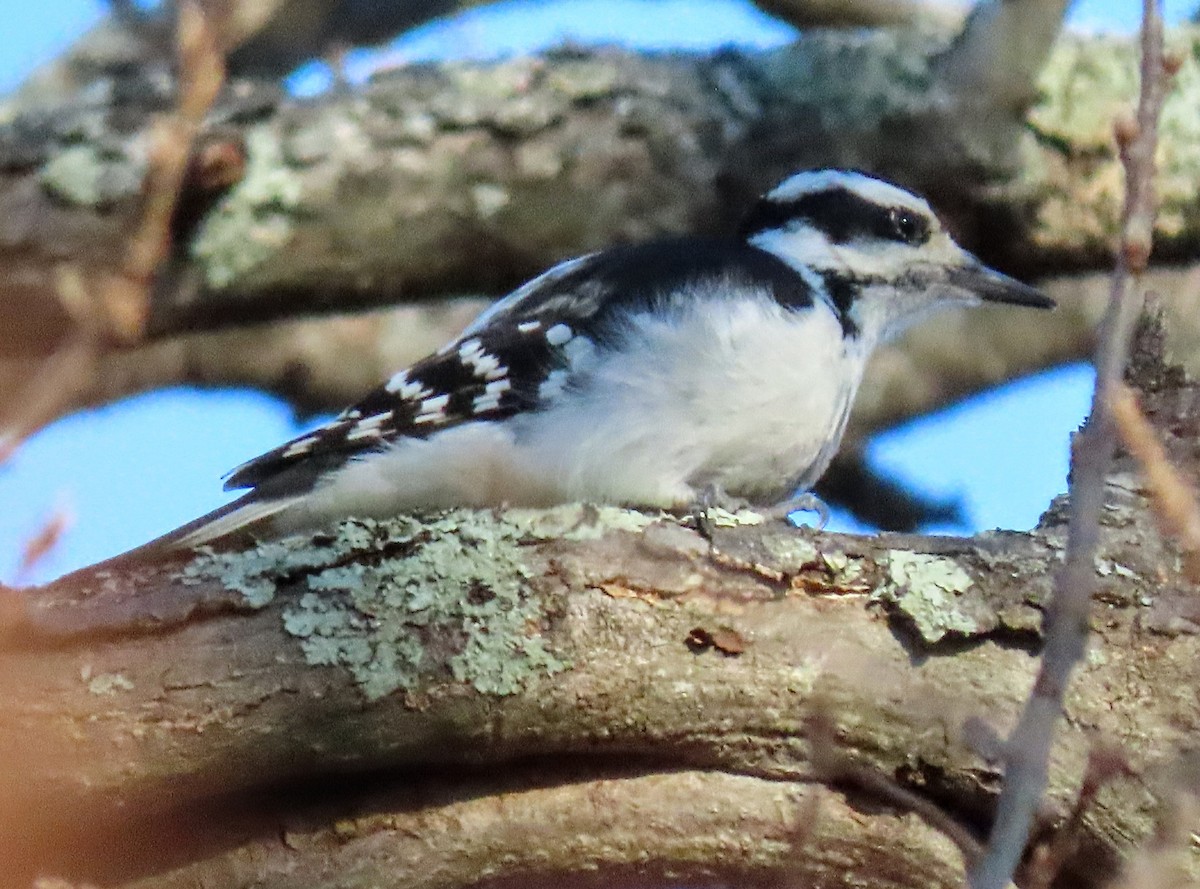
713,497
806,502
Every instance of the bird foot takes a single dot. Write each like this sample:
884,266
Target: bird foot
806,502
713,499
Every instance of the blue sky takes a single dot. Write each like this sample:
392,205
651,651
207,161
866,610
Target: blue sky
132,470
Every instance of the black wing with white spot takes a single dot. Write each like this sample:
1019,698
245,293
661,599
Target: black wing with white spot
518,353
488,376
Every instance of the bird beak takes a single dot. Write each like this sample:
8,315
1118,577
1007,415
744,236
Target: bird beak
992,286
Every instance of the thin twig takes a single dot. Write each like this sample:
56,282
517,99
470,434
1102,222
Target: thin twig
1027,753
113,305
57,381
45,540
126,295
1172,496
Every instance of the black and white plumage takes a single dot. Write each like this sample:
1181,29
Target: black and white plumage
644,375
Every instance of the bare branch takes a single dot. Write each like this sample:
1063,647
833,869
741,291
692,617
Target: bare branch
259,38
56,384
126,296
44,540
995,61
1027,752
557,155
112,305
647,831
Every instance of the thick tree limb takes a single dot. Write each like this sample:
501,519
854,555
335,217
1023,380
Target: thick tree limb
497,171
592,656
260,38
711,829
865,13
997,58
269,38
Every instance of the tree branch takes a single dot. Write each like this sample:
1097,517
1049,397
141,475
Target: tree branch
710,830
142,701
344,202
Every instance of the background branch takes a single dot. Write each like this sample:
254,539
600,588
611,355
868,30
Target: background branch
499,170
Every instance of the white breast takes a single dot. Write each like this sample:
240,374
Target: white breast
745,395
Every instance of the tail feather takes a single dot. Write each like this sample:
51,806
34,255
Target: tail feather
245,513
232,522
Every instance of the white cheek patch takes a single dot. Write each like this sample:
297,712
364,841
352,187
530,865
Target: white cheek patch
804,249
890,260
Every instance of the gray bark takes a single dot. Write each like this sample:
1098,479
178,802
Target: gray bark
456,178
581,696
559,155
510,698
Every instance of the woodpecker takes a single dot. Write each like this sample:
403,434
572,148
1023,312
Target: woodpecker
645,375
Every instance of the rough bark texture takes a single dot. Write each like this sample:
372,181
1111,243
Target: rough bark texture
443,179
525,697
579,696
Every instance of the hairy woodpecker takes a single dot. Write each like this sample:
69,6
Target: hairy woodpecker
646,375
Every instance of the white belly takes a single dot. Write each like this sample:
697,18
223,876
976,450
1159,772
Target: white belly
729,398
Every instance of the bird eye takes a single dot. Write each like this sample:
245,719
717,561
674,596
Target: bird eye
908,226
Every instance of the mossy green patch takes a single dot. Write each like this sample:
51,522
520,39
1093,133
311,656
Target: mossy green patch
254,221
928,591
402,603
1087,83
791,551
456,598
87,176
258,571
108,684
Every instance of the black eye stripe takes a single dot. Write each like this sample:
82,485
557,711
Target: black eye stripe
842,215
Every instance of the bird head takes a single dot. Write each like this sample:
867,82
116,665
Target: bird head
875,252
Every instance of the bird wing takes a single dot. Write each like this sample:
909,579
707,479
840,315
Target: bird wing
516,354
488,375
